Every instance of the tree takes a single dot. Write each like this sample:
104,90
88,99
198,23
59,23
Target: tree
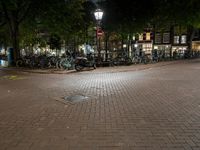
181,12
13,14
56,17
127,15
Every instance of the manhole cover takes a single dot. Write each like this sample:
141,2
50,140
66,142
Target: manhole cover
76,98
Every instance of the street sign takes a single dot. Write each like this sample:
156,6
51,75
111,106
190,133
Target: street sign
99,32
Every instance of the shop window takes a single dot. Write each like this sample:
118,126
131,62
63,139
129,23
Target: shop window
183,39
176,39
141,37
147,48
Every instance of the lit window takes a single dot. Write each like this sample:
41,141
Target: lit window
141,37
183,39
147,48
176,39
134,38
148,36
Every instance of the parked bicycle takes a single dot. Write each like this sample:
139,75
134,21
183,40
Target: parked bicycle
122,59
82,62
66,61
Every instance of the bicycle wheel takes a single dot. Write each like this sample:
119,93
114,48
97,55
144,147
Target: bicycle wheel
94,66
58,64
19,63
78,67
65,63
128,61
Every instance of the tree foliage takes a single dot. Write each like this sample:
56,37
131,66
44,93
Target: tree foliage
23,20
181,12
129,15
55,42
24,17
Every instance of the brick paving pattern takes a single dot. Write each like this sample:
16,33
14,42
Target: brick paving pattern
153,108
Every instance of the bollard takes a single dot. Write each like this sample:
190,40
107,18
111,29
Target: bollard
10,57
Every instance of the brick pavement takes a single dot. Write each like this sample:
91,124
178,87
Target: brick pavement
127,109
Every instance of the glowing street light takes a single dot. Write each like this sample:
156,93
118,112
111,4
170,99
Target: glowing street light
98,16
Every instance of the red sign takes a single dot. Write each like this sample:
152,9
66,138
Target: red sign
99,32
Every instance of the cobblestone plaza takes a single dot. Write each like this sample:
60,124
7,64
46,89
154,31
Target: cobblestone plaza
141,107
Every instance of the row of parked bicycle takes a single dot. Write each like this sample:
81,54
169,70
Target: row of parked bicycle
124,59
43,61
70,62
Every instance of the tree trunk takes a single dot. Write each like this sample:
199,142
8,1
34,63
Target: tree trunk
129,48
16,47
171,39
122,44
99,50
5,47
106,46
15,41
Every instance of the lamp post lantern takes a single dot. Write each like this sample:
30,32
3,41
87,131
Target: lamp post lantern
98,16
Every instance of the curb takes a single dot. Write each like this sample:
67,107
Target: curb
134,67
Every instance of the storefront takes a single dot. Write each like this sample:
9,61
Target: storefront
145,41
163,50
145,47
179,50
195,45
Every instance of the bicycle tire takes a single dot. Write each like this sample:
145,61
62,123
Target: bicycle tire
19,63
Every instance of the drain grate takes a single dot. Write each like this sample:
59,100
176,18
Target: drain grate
76,98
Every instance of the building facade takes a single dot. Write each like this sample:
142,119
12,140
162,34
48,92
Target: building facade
145,41
162,42
196,40
172,40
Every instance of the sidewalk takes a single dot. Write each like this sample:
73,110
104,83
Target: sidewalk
133,67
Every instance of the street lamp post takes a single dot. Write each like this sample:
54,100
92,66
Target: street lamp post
98,16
